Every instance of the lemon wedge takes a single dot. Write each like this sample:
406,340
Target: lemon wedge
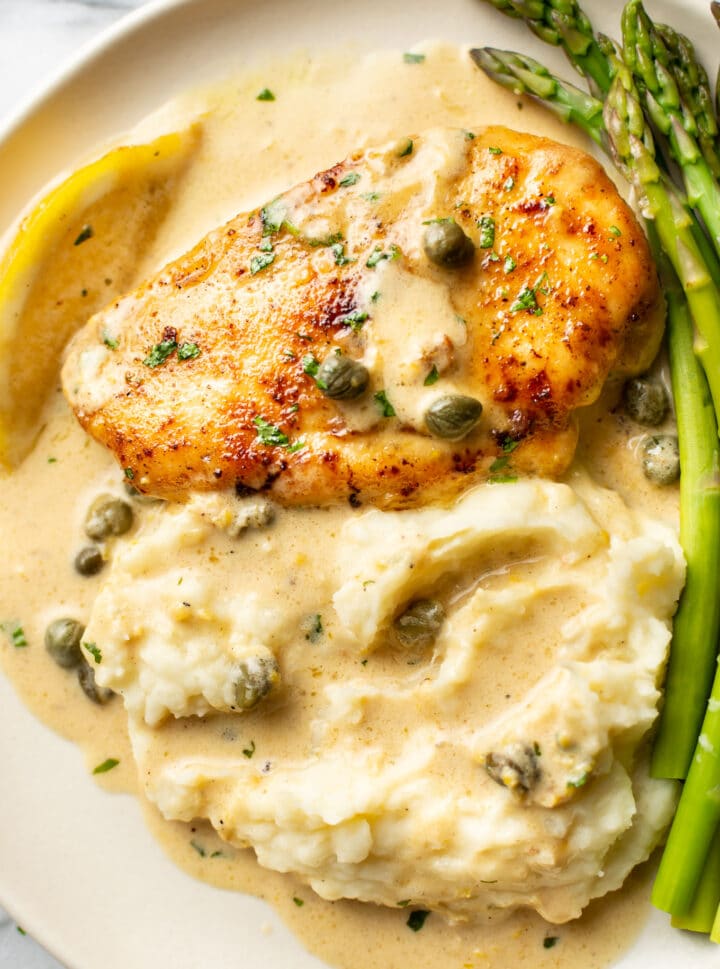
74,253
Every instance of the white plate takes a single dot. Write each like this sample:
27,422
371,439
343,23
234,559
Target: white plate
78,868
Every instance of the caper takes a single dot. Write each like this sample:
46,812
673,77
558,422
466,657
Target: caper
420,624
516,768
86,679
89,560
453,417
108,516
661,459
341,377
62,641
255,678
645,401
446,244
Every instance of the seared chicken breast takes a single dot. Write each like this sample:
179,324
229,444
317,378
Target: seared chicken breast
423,315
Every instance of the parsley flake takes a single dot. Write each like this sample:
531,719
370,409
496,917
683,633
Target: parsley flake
159,353
188,351
314,628
377,255
354,320
272,216
109,341
510,264
432,377
470,135
580,781
550,941
94,651
338,250
258,263
197,847
487,231
15,634
386,407
499,463
509,184
249,751
614,231
407,149
352,178
265,95
129,473
416,919
310,364
410,58
298,901
85,233
495,151
106,766
269,434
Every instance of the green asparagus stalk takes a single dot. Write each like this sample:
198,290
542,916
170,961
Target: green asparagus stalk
701,915
694,87
563,24
646,55
523,75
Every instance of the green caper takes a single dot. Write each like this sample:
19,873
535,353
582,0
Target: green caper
62,641
86,679
453,417
108,516
255,678
446,244
661,459
89,560
342,378
420,624
645,401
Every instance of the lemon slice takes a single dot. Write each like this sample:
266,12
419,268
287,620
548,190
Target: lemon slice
71,255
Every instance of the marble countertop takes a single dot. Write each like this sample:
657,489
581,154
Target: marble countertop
37,37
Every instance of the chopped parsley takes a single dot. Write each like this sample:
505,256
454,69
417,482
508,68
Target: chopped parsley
370,196
502,478
314,628
52,460
310,364
495,151
85,233
159,353
377,255
21,930
265,95
188,351
614,231
432,377
272,216
510,264
550,941
266,246
258,263
106,766
509,445
249,751
579,781
298,901
15,633
273,437
416,919
404,903
407,149
94,651
487,231
386,407
199,848
109,341
527,297
470,135
338,250
352,178
129,473
509,184
410,58
550,200
500,463
354,320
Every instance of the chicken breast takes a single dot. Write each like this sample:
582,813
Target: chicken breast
223,370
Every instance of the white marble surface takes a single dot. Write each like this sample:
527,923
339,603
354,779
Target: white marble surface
37,37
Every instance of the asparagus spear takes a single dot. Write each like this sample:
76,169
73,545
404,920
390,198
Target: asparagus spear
563,24
646,55
523,75
694,87
703,911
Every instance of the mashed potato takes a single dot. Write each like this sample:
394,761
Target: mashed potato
502,766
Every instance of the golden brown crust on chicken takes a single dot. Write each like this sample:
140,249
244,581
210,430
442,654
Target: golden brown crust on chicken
560,292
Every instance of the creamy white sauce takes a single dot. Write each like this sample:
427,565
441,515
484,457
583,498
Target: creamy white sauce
251,151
